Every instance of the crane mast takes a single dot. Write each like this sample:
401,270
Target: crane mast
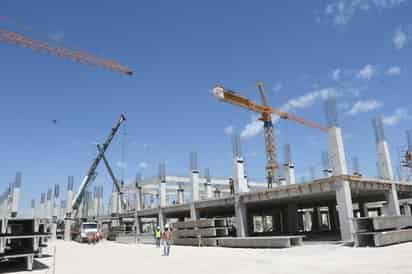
269,135
266,112
92,169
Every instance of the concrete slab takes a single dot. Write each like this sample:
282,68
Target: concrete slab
370,224
384,238
261,242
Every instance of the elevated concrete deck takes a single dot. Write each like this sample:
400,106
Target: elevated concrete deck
282,201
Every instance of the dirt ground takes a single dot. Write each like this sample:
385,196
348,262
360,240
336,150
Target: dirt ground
114,258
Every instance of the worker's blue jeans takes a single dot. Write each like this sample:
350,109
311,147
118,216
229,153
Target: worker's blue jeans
166,248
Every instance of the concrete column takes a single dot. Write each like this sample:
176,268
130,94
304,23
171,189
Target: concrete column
194,179
363,209
115,203
42,206
393,201
53,231
138,225
33,208
239,175
209,190
384,160
241,217
343,192
407,209
333,221
16,195
68,218
316,219
49,207
180,196
162,194
307,223
138,198
194,212
292,218
56,201
289,172
161,219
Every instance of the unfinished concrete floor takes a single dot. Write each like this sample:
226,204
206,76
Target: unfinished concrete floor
113,258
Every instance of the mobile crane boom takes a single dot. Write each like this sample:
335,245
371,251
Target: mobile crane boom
92,169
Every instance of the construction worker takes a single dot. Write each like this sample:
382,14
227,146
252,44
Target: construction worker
166,237
231,186
158,235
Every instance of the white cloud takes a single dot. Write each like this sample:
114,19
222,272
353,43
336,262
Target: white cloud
307,99
364,106
398,115
400,38
121,164
229,130
255,126
336,74
342,11
143,165
278,87
367,72
252,129
393,71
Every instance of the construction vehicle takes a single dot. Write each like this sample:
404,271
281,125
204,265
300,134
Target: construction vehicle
266,112
73,222
82,231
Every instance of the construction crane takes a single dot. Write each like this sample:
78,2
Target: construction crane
78,56
407,158
266,112
115,182
92,169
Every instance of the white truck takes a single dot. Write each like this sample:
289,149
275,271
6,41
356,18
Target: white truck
85,230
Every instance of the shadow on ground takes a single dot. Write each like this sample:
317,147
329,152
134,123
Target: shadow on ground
20,266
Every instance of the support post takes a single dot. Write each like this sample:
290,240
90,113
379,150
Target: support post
407,209
239,175
180,195
138,198
333,221
16,195
68,217
292,219
194,212
385,166
343,191
161,219
194,178
241,217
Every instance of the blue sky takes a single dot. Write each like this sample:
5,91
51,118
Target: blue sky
303,51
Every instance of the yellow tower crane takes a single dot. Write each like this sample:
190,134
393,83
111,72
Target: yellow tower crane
266,112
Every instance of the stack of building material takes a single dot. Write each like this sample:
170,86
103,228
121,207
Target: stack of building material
382,231
200,232
22,239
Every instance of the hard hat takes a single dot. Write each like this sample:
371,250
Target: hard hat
158,227
167,226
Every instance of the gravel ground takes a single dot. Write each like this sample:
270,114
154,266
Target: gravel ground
113,258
